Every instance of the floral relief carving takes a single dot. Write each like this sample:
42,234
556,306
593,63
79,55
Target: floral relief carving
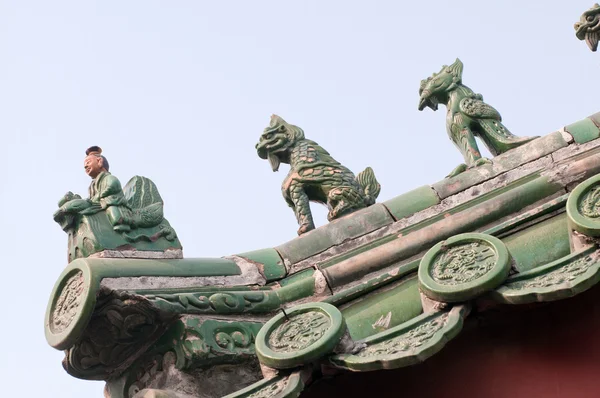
271,390
410,340
561,275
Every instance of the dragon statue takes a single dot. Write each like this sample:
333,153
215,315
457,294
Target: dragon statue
468,116
588,27
314,175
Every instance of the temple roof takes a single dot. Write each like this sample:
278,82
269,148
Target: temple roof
384,287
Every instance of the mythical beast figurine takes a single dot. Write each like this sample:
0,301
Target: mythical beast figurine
588,27
468,116
314,175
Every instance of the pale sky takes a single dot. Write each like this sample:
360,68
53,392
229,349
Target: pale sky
179,91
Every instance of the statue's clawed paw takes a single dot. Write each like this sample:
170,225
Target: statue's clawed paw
457,170
305,228
481,162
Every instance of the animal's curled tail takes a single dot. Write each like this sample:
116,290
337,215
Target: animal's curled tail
369,184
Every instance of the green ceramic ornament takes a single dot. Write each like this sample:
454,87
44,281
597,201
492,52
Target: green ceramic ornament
463,267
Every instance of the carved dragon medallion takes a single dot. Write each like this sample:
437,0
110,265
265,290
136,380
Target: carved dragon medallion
463,267
463,263
299,332
68,303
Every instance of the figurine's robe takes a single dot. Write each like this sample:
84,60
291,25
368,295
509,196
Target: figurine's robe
105,193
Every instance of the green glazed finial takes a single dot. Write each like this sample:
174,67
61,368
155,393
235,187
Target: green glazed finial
314,175
468,116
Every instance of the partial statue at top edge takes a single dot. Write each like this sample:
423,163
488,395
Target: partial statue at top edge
112,218
468,116
588,27
314,175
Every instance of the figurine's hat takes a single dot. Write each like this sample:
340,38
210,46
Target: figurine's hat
93,150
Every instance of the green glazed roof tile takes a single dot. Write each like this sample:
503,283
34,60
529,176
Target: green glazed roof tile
411,202
583,131
351,226
596,118
271,261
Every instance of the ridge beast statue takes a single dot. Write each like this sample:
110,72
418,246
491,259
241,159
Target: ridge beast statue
468,116
588,27
111,217
314,175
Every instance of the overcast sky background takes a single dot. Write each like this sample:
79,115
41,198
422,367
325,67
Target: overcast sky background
179,91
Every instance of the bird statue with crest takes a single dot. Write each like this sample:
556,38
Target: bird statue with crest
468,117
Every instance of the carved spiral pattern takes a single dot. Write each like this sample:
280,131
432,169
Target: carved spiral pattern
68,303
299,332
207,302
410,340
240,338
463,263
589,204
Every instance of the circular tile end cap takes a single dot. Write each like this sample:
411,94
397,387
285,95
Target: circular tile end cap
300,335
583,207
464,267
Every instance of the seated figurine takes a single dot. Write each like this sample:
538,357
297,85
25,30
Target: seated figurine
112,218
105,193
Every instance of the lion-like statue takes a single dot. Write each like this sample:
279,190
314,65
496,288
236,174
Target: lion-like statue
314,175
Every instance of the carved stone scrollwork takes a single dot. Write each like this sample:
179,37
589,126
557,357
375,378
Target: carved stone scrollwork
216,302
201,358
300,335
121,328
463,267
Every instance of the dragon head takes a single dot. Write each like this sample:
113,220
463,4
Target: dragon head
435,89
277,140
588,27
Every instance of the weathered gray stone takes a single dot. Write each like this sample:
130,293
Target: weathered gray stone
167,254
500,164
596,118
216,381
443,207
411,202
349,227
575,150
250,276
